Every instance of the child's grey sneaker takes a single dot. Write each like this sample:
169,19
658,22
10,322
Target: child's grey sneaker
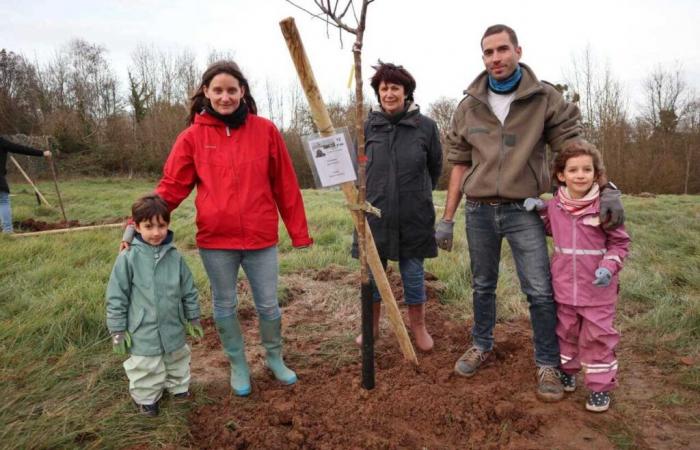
470,361
182,396
598,401
148,410
569,381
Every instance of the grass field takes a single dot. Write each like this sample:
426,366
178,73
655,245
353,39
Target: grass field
63,388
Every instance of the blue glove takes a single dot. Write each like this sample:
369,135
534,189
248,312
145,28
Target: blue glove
612,214
602,277
532,204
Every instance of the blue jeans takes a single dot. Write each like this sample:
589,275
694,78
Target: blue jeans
5,212
261,268
487,225
412,277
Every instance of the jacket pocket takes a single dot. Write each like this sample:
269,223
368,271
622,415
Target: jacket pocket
534,175
134,322
469,176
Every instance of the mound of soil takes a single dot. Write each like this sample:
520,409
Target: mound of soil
411,407
31,225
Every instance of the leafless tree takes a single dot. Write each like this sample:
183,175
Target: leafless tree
667,98
335,14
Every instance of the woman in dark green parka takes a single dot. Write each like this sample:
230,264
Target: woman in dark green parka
404,160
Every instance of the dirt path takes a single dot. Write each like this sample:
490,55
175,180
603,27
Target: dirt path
428,407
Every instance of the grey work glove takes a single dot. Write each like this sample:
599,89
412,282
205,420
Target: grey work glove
602,277
444,234
194,329
612,214
121,342
532,204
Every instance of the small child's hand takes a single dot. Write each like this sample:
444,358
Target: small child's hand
532,204
602,277
194,329
121,342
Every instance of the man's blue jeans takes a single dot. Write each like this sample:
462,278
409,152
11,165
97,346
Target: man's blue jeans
487,225
5,212
261,268
412,278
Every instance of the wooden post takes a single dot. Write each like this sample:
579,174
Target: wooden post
26,177
58,193
67,230
325,126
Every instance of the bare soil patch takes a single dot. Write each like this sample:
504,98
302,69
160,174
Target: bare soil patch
424,407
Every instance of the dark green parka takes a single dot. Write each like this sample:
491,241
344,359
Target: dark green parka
404,161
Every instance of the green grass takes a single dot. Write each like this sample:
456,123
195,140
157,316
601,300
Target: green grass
62,388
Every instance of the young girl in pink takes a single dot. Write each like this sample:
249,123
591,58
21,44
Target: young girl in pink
585,265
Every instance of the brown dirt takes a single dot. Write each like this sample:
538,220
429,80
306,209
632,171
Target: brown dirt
31,225
424,407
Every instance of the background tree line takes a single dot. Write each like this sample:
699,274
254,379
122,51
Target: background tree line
100,127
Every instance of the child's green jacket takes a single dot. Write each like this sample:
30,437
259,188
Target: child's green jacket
151,294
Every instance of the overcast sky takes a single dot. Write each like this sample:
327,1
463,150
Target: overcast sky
436,40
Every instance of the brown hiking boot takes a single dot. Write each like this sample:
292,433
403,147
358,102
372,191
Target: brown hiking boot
416,320
470,361
549,387
376,313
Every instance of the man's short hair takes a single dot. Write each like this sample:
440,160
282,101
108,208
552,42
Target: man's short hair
500,28
149,206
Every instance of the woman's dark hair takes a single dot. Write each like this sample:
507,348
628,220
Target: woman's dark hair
149,206
391,73
577,148
199,101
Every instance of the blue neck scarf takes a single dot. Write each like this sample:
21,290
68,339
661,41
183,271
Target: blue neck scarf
509,84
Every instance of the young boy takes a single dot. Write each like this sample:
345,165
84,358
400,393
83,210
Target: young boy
151,303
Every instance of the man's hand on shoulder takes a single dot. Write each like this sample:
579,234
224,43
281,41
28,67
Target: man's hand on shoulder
612,213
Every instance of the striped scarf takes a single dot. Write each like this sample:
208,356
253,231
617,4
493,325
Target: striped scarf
576,207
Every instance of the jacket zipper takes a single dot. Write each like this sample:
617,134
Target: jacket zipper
228,131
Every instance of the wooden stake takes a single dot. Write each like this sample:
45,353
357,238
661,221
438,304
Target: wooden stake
58,193
325,126
29,180
67,230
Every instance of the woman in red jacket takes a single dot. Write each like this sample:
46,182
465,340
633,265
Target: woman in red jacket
245,180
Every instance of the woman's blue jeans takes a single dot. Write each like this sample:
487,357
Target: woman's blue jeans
412,277
261,268
487,225
5,212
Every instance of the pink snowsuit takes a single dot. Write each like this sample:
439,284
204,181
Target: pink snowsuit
585,312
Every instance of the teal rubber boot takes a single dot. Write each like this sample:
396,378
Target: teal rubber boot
232,340
271,336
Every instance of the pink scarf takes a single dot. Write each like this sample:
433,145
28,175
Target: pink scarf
576,207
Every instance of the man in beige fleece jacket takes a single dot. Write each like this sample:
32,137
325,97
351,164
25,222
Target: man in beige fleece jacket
497,145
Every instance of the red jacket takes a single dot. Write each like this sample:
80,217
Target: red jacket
581,245
243,177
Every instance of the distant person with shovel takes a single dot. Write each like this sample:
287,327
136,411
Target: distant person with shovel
497,145
5,148
245,181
